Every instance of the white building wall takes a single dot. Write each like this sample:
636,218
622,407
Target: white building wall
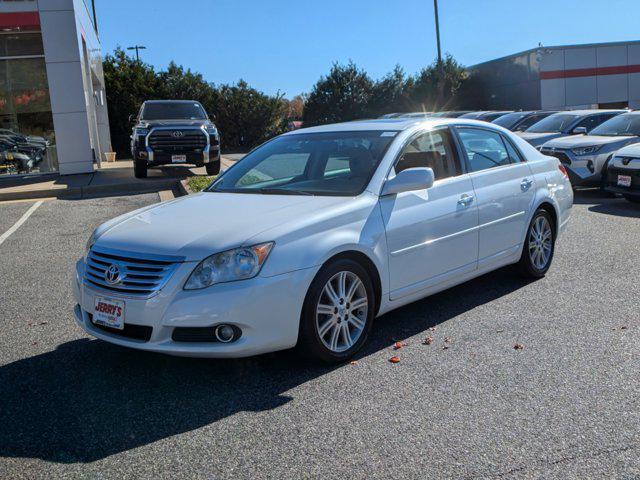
589,76
76,85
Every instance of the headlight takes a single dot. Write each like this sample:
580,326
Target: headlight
92,239
237,264
586,150
140,131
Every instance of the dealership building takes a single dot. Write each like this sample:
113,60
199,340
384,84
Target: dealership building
53,111
602,75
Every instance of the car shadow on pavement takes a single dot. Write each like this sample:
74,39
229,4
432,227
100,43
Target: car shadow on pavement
88,399
601,203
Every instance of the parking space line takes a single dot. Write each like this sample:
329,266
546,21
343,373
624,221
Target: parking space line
22,219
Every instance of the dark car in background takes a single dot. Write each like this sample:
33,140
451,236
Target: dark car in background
174,132
520,121
623,174
485,116
562,124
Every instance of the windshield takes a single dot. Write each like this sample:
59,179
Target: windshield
173,111
510,119
626,124
556,123
333,163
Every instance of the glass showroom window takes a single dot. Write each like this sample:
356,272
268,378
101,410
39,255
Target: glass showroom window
27,139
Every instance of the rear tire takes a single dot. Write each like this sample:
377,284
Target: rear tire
632,198
140,168
539,246
213,168
338,312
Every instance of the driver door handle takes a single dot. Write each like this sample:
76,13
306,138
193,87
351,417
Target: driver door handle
526,184
465,199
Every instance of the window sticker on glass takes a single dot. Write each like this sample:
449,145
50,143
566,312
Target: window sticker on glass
388,134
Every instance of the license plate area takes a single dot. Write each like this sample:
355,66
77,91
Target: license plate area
109,312
178,158
624,180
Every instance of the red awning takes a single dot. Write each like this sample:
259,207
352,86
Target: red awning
20,21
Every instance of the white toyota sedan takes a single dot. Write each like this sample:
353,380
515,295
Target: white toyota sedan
317,232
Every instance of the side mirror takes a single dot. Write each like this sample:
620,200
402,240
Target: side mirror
580,130
132,119
409,180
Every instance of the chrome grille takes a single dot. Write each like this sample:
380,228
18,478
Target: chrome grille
138,275
166,141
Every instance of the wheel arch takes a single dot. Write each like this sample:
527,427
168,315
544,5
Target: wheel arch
368,264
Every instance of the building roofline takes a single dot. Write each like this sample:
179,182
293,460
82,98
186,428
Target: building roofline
557,47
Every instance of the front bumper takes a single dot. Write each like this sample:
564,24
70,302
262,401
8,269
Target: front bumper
583,170
612,181
266,309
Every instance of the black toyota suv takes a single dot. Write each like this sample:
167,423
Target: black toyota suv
174,132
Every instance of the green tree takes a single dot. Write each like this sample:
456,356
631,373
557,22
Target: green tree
247,117
390,94
341,96
426,92
244,116
128,84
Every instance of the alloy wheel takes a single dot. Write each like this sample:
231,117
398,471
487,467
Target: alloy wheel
540,242
341,312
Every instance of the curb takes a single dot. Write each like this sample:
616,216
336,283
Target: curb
76,193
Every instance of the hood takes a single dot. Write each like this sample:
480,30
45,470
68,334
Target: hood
173,123
586,140
536,139
196,226
632,150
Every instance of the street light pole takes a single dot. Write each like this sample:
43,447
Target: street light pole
137,48
440,65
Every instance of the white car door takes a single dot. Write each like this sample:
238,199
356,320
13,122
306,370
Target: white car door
504,187
431,234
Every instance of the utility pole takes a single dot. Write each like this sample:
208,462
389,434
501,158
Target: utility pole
440,64
137,48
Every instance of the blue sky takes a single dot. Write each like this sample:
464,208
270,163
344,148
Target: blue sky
286,45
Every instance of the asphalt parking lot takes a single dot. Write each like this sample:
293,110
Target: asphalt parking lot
469,405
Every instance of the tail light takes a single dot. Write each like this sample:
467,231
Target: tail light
563,170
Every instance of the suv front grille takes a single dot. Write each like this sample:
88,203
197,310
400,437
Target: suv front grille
186,140
137,275
559,155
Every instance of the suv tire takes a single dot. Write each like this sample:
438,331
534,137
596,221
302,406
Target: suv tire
140,168
213,168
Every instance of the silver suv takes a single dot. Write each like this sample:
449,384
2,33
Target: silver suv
586,156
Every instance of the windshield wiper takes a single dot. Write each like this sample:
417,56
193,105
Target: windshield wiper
279,191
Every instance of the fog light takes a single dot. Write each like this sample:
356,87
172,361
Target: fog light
590,166
225,333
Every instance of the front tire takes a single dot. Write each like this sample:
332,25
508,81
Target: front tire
539,245
338,312
140,168
213,168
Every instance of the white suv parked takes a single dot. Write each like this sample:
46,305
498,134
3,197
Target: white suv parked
317,232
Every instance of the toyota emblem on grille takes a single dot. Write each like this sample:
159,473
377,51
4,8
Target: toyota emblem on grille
177,133
112,275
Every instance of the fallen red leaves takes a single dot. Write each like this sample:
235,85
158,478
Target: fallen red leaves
399,345
518,346
428,341
394,359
